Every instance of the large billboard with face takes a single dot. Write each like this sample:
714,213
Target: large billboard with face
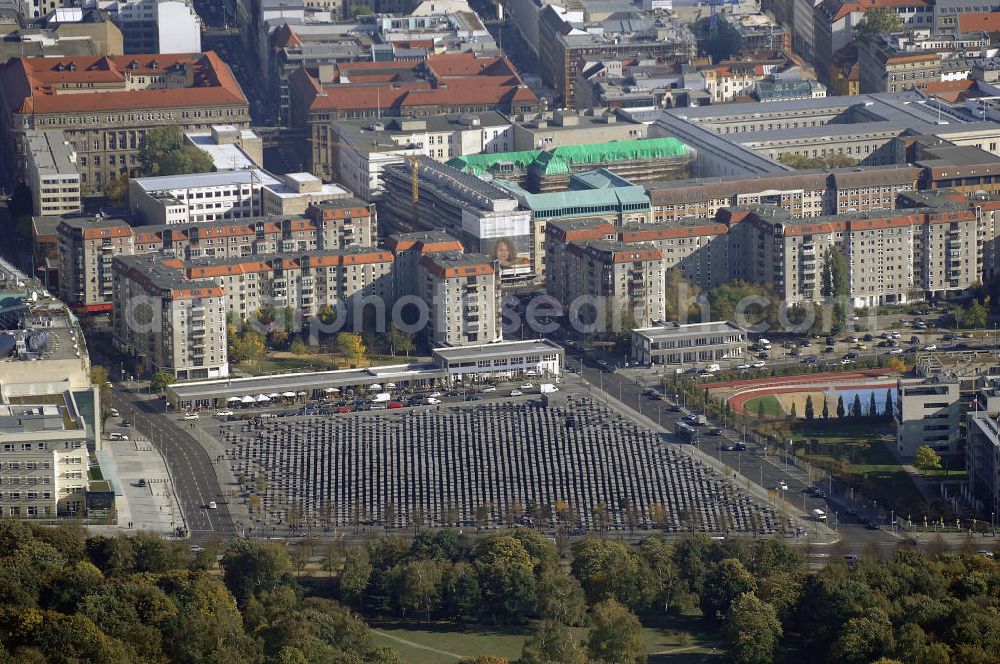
505,237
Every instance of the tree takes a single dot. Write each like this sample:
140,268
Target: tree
856,406
186,159
726,581
895,364
926,459
462,596
878,21
116,190
802,162
840,406
872,406
356,573
975,314
506,577
794,414
760,410
553,643
810,413
160,380
679,296
888,411
250,567
560,596
298,348
400,341
156,145
351,346
863,639
826,409
834,283
752,631
616,635
419,586
360,10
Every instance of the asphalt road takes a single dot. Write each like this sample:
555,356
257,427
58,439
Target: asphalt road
751,464
190,466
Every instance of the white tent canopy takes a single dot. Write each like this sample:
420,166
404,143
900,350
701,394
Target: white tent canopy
374,387
288,395
247,399
232,399
263,397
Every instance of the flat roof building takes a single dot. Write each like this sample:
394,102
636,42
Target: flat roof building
928,412
52,175
690,345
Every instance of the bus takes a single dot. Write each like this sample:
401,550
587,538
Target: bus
687,433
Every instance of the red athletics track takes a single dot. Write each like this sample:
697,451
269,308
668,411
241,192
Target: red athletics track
848,380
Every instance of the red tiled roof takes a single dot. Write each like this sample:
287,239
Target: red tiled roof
285,37
32,85
979,22
454,79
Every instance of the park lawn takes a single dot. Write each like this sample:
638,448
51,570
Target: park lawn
429,643
772,408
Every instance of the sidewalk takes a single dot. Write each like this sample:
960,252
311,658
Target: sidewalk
151,507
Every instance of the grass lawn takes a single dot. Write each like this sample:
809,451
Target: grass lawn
871,468
771,406
444,644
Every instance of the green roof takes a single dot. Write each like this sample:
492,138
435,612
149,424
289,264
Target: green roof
477,164
559,160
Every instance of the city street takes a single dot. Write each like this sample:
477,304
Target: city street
190,467
767,472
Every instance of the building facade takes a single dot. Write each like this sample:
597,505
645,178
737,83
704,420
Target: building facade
928,412
88,245
52,174
462,292
690,345
100,118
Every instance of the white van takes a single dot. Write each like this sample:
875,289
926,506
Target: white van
819,515
712,368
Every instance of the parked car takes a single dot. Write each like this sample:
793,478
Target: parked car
126,423
345,409
526,386
516,393
930,347
394,404
743,367
782,485
759,364
212,505
488,388
113,412
223,413
714,431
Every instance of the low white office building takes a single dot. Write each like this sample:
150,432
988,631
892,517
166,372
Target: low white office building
691,345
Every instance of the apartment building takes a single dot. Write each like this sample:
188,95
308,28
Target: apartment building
688,345
88,245
193,298
166,321
462,293
885,68
158,26
53,178
928,412
408,249
566,45
835,20
446,83
105,105
982,460
893,256
607,283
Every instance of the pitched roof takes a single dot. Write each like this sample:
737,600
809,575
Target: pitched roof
33,85
979,22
